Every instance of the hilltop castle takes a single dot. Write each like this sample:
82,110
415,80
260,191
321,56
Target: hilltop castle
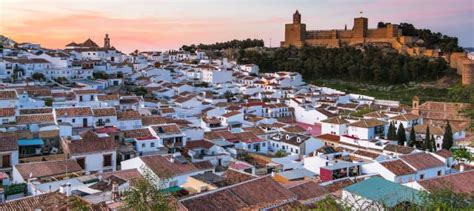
390,35
297,35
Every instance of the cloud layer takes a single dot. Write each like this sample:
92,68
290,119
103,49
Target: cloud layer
151,25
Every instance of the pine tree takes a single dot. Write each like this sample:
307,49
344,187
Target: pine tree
426,141
401,135
448,137
412,141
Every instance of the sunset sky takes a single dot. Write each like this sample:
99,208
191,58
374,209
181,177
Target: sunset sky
165,24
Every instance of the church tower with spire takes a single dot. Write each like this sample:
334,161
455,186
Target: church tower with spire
106,41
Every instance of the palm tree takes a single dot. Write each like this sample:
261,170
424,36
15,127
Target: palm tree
462,154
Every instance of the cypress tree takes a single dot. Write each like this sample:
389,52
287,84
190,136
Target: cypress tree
392,133
426,141
432,144
412,141
389,132
448,137
401,135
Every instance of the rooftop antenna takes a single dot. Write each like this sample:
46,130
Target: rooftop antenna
270,42
361,12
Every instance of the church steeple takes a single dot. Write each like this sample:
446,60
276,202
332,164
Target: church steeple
107,41
297,17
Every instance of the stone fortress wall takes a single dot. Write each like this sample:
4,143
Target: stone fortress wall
297,35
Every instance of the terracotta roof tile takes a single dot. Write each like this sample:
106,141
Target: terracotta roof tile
308,191
255,194
7,112
421,161
137,133
104,112
164,168
34,118
90,143
398,167
47,168
458,183
8,95
73,112
36,110
368,123
128,115
398,149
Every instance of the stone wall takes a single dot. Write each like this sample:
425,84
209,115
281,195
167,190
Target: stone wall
297,35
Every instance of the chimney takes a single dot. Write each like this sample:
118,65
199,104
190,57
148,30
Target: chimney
115,192
273,173
461,167
65,189
405,143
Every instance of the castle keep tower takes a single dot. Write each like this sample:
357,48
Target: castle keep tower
360,27
295,32
106,41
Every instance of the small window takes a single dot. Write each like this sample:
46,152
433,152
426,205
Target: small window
73,120
143,145
107,160
439,173
152,144
422,176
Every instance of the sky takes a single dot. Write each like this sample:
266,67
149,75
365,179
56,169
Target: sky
168,24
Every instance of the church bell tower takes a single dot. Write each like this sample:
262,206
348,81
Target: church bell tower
297,17
107,41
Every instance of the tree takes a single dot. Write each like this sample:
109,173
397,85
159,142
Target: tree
38,76
390,132
412,141
140,91
145,194
401,135
100,75
48,101
462,154
280,153
432,144
228,95
427,141
120,74
448,137
381,24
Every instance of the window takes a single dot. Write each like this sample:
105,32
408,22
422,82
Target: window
296,151
81,162
422,176
439,173
6,161
92,97
107,160
263,144
173,183
73,120
143,145
152,144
